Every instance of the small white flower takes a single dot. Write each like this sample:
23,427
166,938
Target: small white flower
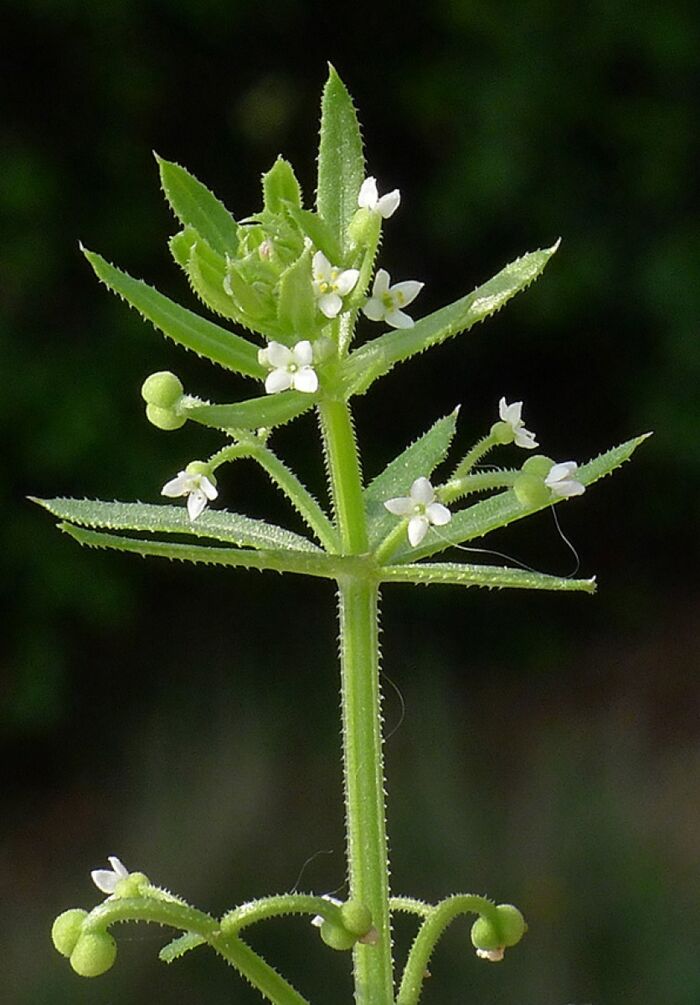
290,368
369,198
196,486
106,879
331,284
494,955
421,509
386,301
562,481
318,919
512,415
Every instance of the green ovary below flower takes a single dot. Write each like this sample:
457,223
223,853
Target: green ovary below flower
387,301
289,368
421,509
331,284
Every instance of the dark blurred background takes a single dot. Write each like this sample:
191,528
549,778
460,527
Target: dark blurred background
186,720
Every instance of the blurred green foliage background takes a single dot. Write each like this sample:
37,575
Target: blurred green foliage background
186,720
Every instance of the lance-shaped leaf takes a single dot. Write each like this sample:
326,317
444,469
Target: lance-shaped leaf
420,458
296,307
179,324
341,163
265,412
317,230
180,945
280,186
219,285
504,508
301,563
195,206
376,358
220,525
492,577
181,245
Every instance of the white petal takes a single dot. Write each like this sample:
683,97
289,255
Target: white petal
510,413
374,309
417,529
406,292
388,204
179,486
422,491
278,380
105,880
303,353
438,514
565,469
305,380
346,280
279,355
567,487
493,955
118,866
321,267
401,506
381,283
330,304
317,920
263,359
196,501
399,319
367,196
524,438
208,488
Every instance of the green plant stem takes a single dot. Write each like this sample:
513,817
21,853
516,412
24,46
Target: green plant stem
482,481
368,870
480,448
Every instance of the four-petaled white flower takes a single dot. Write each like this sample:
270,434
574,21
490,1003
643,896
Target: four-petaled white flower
318,919
421,509
106,879
369,198
196,486
386,301
511,414
494,955
331,284
562,480
290,368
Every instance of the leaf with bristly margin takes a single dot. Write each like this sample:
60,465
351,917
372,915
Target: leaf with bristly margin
181,245
179,324
492,577
219,525
341,163
210,276
179,946
301,563
256,413
419,459
280,187
317,230
504,508
296,306
195,206
376,358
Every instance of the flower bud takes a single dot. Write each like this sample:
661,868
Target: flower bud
337,937
164,418
94,954
163,389
531,490
66,930
356,917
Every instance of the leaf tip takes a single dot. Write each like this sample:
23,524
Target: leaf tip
456,410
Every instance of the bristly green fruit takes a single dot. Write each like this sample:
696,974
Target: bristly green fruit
66,930
94,954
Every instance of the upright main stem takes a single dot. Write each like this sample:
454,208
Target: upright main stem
368,867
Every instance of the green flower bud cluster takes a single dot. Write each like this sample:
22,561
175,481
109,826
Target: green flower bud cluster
493,935
162,393
529,485
91,952
355,926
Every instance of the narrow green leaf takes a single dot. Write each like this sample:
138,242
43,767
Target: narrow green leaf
181,245
296,307
320,566
179,946
318,231
456,574
376,358
502,509
280,186
267,411
206,272
418,459
341,163
179,324
195,206
220,525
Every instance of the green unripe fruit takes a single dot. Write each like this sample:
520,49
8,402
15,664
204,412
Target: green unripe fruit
163,389
164,418
131,885
356,917
94,954
337,937
531,490
511,923
538,465
201,468
485,935
66,930
502,432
